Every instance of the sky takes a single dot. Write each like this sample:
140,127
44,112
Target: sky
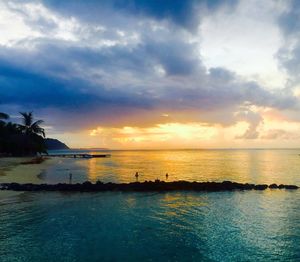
138,74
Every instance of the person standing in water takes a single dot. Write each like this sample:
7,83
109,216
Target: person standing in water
137,176
70,178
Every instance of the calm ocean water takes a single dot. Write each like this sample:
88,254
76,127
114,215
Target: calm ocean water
253,166
223,226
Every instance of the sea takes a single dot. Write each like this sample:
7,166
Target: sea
169,226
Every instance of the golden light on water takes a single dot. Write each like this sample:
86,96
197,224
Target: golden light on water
256,166
93,173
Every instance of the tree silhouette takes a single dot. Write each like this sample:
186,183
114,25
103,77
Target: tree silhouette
29,127
3,116
21,139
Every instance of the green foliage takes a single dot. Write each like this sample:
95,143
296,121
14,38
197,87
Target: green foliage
20,140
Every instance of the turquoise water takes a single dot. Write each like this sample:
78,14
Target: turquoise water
249,226
177,226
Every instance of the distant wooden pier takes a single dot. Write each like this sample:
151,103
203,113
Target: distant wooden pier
80,155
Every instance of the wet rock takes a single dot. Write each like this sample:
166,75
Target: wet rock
260,187
273,186
158,186
290,187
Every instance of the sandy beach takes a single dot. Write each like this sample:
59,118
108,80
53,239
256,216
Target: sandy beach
11,170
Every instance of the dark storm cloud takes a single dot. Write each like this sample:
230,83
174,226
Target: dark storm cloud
289,53
28,88
185,13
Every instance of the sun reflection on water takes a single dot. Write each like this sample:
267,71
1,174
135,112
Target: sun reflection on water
245,166
253,166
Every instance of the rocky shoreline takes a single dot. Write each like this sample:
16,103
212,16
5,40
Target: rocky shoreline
157,185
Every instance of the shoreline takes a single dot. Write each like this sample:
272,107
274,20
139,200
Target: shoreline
157,186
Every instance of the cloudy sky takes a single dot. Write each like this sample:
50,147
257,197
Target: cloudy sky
154,74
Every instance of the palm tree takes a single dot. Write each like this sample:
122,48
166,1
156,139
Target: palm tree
3,116
29,127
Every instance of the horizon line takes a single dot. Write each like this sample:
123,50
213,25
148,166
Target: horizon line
166,149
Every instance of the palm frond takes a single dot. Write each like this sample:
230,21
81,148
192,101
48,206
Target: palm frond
27,118
39,130
30,127
4,116
37,123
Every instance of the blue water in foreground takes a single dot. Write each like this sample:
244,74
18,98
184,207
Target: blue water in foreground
227,226
176,226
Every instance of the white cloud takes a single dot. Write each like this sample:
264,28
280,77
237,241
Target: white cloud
245,40
13,28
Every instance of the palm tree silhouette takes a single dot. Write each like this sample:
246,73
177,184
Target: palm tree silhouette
29,127
3,116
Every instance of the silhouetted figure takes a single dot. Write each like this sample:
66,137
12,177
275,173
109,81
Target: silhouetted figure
167,176
137,176
70,178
